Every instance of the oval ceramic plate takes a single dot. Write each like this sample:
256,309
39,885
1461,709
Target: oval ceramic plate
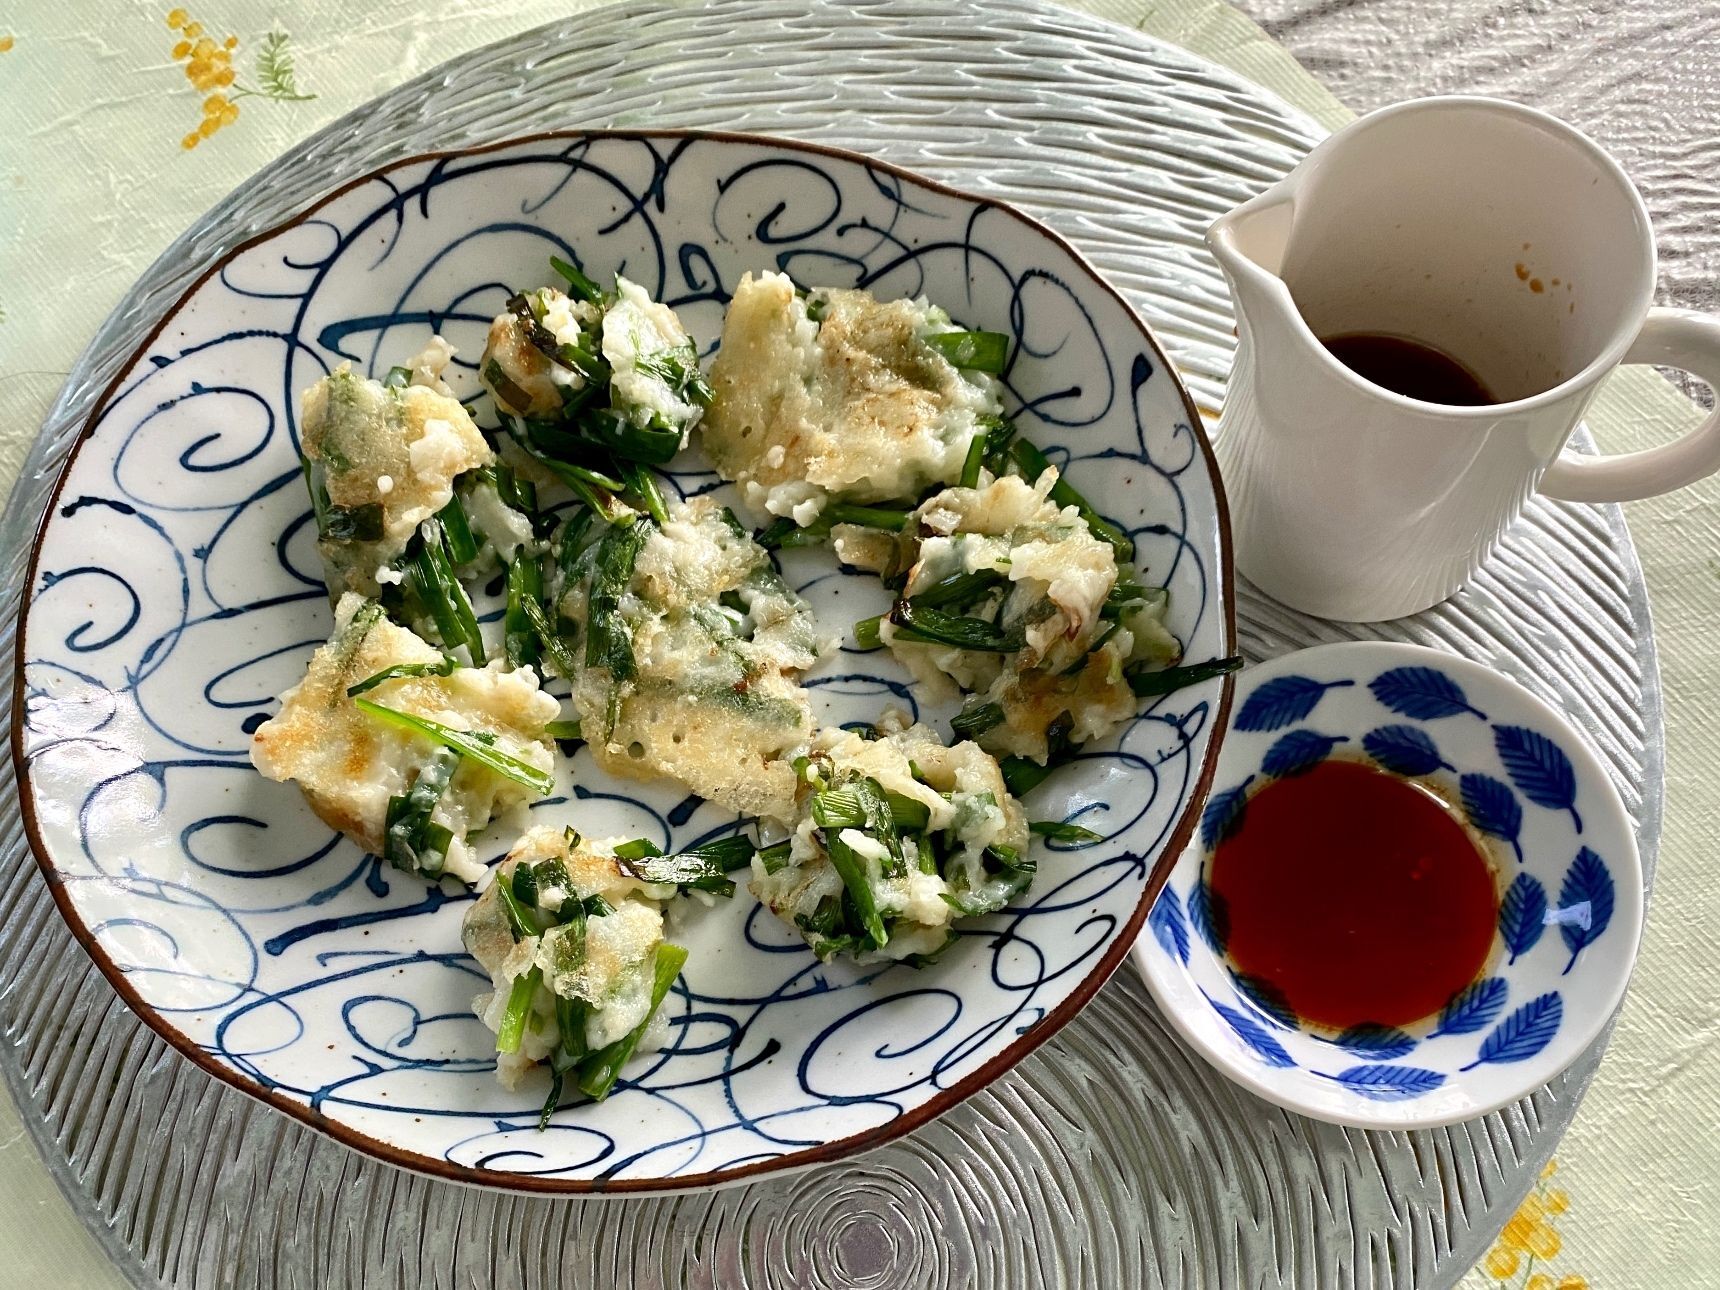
175,591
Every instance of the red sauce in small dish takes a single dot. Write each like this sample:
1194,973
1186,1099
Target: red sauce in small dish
1355,896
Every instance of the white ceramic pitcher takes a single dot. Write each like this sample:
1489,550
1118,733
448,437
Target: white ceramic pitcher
1487,230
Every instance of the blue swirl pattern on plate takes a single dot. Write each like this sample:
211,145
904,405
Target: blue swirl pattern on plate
177,592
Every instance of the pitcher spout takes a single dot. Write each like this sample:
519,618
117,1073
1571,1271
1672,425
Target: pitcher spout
1249,242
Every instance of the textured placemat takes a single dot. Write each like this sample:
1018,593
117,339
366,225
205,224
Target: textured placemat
1113,1157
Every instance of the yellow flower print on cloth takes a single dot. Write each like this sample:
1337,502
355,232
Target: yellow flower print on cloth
209,67
1519,1258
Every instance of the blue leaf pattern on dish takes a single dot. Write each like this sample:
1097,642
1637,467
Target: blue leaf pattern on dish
1223,814
1370,1040
1421,693
1382,1083
1539,768
1166,920
1404,750
1585,903
1254,1035
1524,1033
1282,701
1473,1007
1514,787
1522,915
1493,808
1266,997
1207,914
1298,751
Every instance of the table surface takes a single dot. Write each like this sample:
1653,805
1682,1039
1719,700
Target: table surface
1641,78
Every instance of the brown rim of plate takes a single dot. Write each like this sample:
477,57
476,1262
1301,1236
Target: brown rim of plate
903,1124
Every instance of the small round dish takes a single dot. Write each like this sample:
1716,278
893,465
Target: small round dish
1534,796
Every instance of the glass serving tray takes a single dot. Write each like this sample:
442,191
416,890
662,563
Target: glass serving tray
1113,1156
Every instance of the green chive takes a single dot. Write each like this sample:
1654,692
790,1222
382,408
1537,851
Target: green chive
838,808
1021,775
589,364
825,919
582,286
592,487
652,444
1017,871
601,501
557,1080
730,853
563,731
466,743
679,370
570,1014
642,484
513,1026
785,533
558,446
957,591
525,585
1034,463
411,840
934,626
442,595
516,493
970,905
866,633
507,391
976,718
457,529
881,821
999,435
1126,591
1168,679
974,460
524,883
608,638
975,351
929,959
565,664
599,1071
569,543
908,813
870,517
699,869
313,486
852,870
393,672
522,918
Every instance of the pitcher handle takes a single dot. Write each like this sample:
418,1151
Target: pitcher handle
1680,338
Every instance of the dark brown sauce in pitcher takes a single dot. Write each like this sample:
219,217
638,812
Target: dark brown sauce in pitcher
1409,368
